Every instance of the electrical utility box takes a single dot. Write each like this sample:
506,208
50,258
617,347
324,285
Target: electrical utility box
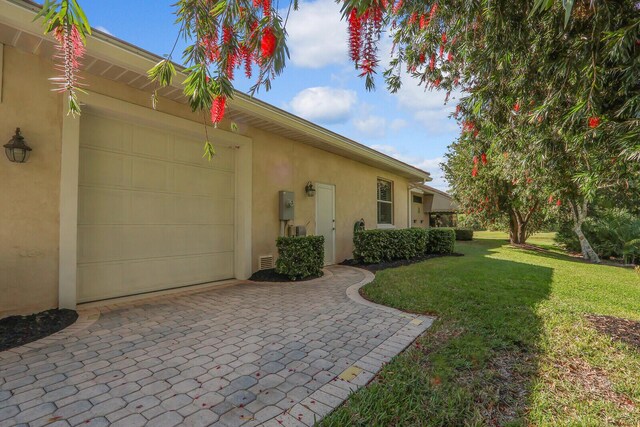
286,205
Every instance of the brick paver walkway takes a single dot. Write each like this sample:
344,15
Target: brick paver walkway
251,354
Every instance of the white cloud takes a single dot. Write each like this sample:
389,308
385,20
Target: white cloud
324,104
371,126
317,35
427,107
104,30
430,165
398,124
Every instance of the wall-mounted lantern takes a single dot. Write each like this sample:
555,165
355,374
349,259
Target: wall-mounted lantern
310,189
16,149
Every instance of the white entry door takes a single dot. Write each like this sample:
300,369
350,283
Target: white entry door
326,220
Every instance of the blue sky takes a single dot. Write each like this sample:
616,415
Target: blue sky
319,82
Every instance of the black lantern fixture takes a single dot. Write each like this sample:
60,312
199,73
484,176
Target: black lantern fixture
310,189
16,149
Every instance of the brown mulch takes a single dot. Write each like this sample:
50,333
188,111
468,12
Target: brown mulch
395,263
20,330
627,331
270,275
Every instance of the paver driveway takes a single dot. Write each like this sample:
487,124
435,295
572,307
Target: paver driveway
251,354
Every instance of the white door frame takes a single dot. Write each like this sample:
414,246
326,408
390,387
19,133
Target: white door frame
331,187
67,285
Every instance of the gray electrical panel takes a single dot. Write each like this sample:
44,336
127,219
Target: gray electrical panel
286,205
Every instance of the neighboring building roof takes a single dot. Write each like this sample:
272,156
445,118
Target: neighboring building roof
446,202
117,60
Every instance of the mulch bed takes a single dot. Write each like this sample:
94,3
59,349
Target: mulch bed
19,330
393,264
270,275
627,331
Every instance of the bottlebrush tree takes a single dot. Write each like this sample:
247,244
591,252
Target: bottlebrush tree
494,187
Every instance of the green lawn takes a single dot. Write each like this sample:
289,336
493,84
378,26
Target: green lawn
511,345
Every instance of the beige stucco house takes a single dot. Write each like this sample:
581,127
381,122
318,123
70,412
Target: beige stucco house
120,201
431,207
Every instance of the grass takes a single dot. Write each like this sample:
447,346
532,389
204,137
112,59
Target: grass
511,345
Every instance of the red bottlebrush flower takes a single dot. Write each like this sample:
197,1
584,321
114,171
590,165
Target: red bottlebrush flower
355,35
559,203
484,158
594,122
457,110
397,6
475,160
227,35
456,81
71,50
441,53
474,172
247,57
424,22
232,63
413,18
468,126
432,13
385,4
266,7
450,57
444,38
217,109
257,3
475,133
516,107
268,43
436,83
422,58
432,62
551,199
210,45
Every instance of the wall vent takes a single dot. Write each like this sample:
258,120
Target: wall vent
265,262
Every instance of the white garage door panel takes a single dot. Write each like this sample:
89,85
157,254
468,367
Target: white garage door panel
117,243
108,206
152,214
104,280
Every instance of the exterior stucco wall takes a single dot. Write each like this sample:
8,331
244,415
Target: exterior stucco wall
29,219
283,164
29,214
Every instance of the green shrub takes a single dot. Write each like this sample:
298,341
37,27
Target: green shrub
300,257
374,246
611,233
631,251
441,241
464,233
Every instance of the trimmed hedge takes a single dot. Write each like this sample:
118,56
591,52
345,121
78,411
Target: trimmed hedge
464,233
375,246
300,257
441,241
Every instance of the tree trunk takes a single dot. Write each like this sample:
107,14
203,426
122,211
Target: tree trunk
579,215
517,228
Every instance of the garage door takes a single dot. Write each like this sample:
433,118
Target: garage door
152,213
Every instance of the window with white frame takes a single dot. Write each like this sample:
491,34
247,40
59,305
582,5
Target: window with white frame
385,202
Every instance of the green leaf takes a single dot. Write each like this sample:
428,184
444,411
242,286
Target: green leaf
568,7
209,151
